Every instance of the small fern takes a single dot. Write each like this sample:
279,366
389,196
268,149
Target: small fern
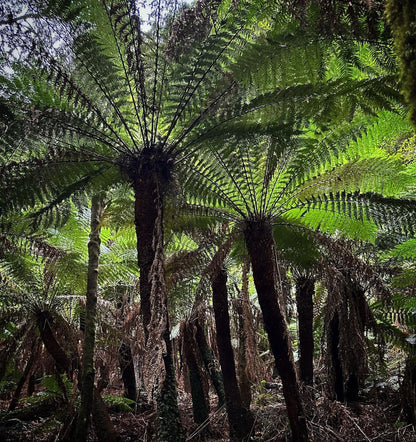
118,403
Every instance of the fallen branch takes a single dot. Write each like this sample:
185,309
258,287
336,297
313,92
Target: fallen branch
205,423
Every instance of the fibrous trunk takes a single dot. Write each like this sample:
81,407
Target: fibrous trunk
305,289
197,378
149,190
210,363
346,318
88,371
62,361
249,368
261,248
102,423
146,214
32,358
239,418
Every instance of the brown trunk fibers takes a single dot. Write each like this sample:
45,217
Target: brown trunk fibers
197,376
347,315
102,422
261,248
248,363
32,358
146,213
150,184
239,418
209,361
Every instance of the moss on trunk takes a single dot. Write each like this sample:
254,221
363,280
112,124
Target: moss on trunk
88,369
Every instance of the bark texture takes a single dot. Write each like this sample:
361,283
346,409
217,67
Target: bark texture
88,370
197,378
150,174
239,418
305,289
210,363
261,248
146,213
102,423
347,315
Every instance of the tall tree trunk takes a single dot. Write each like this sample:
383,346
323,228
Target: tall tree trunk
333,349
250,369
261,248
88,370
197,381
150,184
305,289
29,364
146,213
169,427
244,382
102,423
209,361
239,418
62,361
346,318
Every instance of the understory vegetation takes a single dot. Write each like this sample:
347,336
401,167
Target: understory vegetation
207,220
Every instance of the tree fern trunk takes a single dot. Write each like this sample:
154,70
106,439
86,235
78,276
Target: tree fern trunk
244,382
146,213
333,348
169,427
102,423
209,361
260,245
88,370
32,358
239,418
149,190
305,289
62,361
198,383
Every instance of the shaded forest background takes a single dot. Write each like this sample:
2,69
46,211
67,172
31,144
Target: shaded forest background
207,220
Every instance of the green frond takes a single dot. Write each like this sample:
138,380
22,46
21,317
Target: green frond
322,216
391,214
406,278
405,250
397,321
296,245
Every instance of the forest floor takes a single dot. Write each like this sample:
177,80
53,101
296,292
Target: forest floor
376,417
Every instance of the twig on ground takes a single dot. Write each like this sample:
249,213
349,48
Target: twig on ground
204,424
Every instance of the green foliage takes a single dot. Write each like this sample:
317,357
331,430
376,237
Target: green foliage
401,16
54,386
118,403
